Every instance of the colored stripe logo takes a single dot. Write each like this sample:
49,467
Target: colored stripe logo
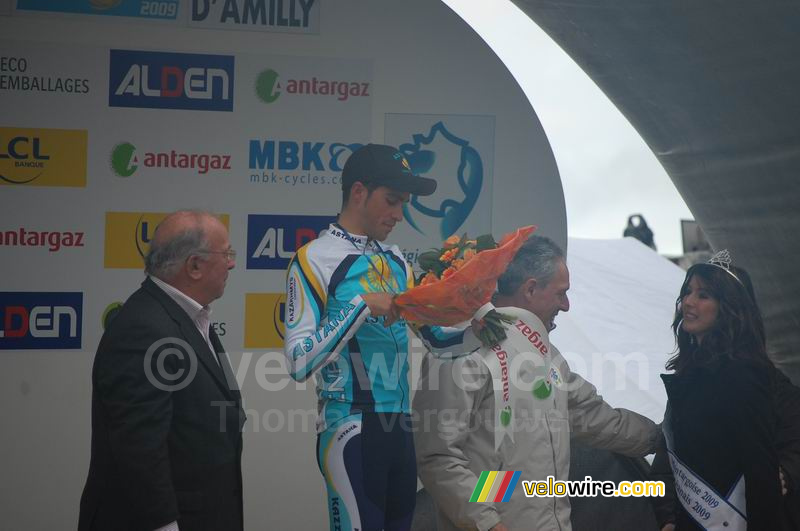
494,486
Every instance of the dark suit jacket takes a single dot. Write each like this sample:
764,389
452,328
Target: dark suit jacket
160,455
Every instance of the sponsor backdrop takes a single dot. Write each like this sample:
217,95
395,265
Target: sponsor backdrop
116,112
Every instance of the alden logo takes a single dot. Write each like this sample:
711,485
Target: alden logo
128,236
273,240
125,160
264,317
43,157
40,320
161,80
269,87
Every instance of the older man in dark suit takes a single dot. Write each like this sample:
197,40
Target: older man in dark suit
166,408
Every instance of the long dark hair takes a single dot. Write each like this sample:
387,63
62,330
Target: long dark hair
738,332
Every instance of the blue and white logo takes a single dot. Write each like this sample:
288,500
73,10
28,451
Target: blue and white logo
467,171
272,240
292,163
159,80
151,9
457,151
40,320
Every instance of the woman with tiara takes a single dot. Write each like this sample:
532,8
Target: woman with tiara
720,421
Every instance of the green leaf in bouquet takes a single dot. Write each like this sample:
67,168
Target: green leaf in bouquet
485,242
494,329
501,317
429,260
486,337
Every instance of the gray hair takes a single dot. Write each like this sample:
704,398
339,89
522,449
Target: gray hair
537,258
165,258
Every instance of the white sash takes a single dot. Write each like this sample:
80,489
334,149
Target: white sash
708,508
522,336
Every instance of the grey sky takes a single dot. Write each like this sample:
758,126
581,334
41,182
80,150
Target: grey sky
607,170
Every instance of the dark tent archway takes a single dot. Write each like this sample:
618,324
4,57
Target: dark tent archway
712,87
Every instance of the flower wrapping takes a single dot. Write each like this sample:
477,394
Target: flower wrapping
462,280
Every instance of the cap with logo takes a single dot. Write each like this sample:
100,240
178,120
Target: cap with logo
384,166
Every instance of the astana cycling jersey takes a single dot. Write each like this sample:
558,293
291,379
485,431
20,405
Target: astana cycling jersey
360,365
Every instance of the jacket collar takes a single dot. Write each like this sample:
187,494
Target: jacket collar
190,333
525,315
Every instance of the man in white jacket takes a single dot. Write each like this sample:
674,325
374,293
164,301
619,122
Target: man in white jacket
514,407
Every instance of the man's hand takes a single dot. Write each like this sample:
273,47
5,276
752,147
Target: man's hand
499,527
382,304
668,527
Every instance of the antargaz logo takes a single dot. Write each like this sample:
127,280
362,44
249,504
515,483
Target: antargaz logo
122,159
161,80
40,320
264,317
128,236
125,162
269,88
110,313
43,157
53,240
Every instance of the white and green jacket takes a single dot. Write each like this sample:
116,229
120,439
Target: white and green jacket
513,407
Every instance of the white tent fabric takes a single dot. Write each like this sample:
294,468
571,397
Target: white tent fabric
617,332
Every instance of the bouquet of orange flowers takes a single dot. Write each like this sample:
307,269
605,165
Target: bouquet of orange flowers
459,279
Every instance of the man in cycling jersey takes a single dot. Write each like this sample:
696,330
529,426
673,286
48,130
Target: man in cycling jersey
342,327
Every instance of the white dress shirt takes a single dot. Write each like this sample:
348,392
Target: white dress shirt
199,314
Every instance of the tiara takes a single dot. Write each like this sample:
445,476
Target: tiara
723,260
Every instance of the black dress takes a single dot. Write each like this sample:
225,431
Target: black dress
722,423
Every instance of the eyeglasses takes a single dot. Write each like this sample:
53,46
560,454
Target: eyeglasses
230,254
